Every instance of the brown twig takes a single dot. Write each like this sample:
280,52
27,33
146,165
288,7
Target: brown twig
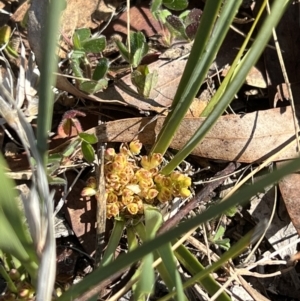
201,197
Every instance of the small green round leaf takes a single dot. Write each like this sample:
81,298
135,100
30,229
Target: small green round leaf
92,87
94,45
79,36
101,69
155,5
88,152
89,138
176,4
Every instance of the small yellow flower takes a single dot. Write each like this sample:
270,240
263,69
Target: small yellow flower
135,147
143,174
133,208
111,197
151,194
126,200
112,210
185,192
164,195
146,184
139,202
151,162
112,178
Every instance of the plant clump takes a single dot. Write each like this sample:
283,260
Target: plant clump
132,180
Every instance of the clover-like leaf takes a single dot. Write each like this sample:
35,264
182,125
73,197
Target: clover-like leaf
87,151
162,14
92,87
155,5
176,4
144,80
101,69
80,35
123,50
94,45
89,138
138,47
176,26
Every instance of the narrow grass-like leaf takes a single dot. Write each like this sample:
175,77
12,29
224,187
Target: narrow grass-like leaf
10,209
10,284
113,242
145,284
192,264
47,79
169,262
235,250
247,62
202,54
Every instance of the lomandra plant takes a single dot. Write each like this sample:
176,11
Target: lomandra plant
215,21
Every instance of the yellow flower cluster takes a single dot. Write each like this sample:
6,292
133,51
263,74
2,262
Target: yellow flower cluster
131,181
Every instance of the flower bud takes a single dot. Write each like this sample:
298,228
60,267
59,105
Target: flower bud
126,200
164,195
111,198
133,208
135,147
109,154
112,210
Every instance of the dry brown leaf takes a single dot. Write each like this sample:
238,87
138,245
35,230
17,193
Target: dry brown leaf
290,191
141,19
169,74
283,92
21,11
256,76
73,16
63,84
249,138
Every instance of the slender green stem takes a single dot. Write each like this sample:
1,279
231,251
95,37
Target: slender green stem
190,262
195,71
113,242
235,250
48,66
11,286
